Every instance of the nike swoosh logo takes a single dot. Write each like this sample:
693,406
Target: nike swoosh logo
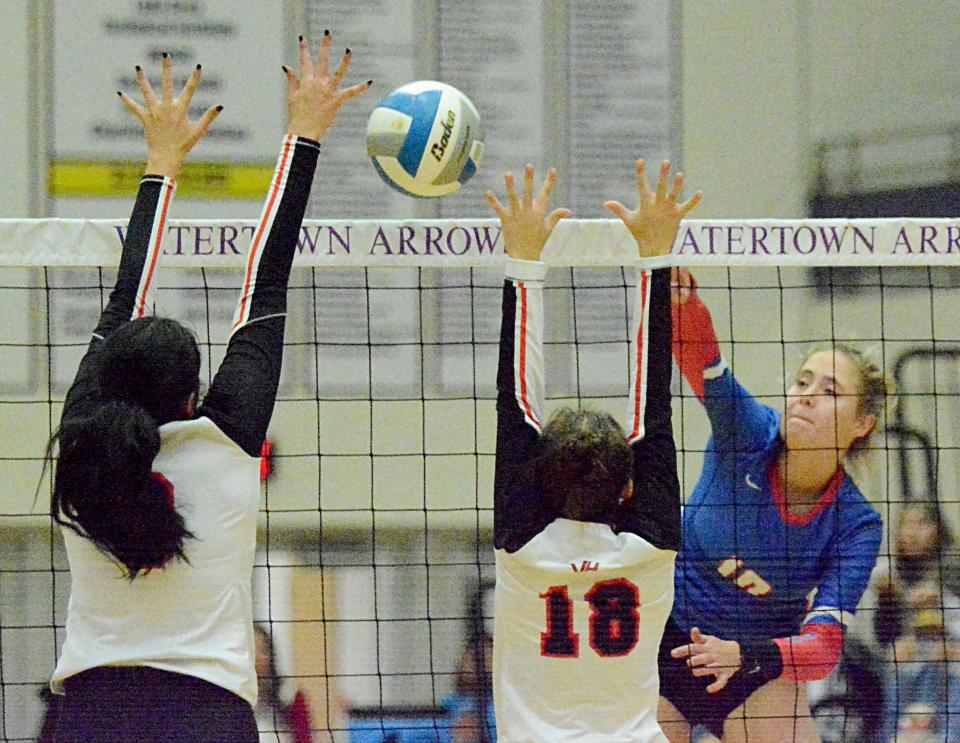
751,483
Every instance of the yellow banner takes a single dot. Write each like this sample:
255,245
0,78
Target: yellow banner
211,180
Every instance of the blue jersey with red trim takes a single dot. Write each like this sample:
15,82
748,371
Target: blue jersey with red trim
747,569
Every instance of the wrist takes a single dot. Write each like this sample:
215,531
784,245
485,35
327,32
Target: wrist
762,659
164,164
303,133
306,129
522,252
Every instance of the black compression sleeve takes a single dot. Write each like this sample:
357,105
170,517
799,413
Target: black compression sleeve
654,511
136,276
519,512
243,393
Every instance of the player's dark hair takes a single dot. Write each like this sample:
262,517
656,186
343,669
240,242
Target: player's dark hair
104,488
584,464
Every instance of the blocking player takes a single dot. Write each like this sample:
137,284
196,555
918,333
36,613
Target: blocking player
157,492
586,517
778,541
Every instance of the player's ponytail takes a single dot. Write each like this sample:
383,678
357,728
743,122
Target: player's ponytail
105,489
585,463
104,485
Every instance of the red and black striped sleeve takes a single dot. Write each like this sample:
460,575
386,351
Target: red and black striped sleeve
133,294
654,511
519,511
242,396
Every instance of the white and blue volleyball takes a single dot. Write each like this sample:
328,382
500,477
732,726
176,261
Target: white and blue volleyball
424,139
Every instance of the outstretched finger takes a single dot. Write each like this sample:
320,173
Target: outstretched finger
306,61
617,209
149,97
549,183
166,77
131,105
677,187
662,180
495,204
646,193
696,635
683,651
712,669
718,684
527,185
511,191
354,91
323,59
689,205
200,128
699,659
555,216
342,69
190,87
292,81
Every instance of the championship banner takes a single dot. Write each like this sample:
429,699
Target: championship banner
478,242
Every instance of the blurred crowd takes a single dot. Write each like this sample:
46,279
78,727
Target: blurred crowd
899,679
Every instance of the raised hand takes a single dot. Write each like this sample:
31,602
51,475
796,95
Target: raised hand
654,223
314,98
525,224
168,130
710,656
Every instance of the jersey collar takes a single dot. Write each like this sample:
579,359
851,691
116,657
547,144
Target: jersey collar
828,496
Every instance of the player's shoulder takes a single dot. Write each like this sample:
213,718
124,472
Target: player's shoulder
195,431
853,507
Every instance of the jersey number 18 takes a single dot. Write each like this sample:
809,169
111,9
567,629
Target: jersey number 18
614,620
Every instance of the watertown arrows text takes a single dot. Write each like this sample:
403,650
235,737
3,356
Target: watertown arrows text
478,242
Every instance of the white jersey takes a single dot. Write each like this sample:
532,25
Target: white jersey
579,613
196,618
581,606
193,616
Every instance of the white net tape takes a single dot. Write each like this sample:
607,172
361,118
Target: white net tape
476,242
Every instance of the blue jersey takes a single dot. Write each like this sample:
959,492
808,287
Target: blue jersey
748,569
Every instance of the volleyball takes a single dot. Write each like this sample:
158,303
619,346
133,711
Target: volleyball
424,139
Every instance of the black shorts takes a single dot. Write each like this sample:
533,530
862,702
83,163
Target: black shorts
136,703
688,693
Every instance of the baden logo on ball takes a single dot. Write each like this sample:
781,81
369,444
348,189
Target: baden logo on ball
424,139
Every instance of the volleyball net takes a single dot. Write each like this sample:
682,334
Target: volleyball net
374,566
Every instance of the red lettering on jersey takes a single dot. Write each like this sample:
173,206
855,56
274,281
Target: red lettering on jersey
585,566
747,580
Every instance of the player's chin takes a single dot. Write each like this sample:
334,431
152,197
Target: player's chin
799,434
